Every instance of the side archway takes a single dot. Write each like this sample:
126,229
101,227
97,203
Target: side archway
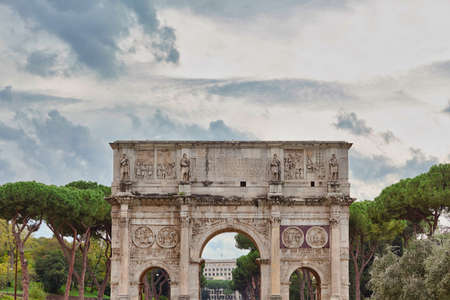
307,279
154,284
137,283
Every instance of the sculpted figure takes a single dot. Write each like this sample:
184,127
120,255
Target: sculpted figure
334,167
275,168
124,167
185,168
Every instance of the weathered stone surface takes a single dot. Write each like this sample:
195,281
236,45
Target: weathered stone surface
171,197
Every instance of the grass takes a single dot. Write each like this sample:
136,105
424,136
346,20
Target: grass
10,290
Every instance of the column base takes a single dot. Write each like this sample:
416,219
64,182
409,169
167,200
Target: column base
335,298
275,297
124,297
184,297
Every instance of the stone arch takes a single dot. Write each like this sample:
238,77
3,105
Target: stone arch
314,268
141,269
200,241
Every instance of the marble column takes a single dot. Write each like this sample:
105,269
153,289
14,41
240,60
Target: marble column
184,253
335,253
124,253
275,254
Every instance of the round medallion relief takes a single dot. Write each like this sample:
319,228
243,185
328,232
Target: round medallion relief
316,237
292,237
167,237
143,237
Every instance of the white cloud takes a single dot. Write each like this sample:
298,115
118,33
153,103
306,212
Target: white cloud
222,246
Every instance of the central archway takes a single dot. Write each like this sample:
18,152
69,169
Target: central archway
257,238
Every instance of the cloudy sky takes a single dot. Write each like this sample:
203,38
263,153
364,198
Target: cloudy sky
75,75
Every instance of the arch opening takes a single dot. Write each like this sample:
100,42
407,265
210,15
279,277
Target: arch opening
304,284
154,284
230,269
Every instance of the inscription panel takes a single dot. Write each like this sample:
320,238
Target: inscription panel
237,164
199,164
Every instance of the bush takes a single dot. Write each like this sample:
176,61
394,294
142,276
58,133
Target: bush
36,292
6,297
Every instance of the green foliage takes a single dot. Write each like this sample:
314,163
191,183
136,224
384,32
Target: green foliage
421,273
244,242
90,185
6,297
437,269
50,265
23,199
419,201
246,275
36,292
220,284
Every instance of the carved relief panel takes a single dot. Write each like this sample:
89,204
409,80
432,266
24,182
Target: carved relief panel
157,241
143,237
315,164
294,164
168,237
166,161
294,237
144,165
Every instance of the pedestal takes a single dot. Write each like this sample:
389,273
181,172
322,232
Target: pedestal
184,189
275,189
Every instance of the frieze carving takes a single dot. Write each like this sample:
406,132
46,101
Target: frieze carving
275,169
200,225
292,237
294,164
262,226
166,164
167,237
316,237
167,254
305,253
143,237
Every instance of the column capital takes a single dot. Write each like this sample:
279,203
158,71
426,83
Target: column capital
185,221
275,220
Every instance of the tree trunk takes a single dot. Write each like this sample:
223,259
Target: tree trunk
85,250
71,267
301,285
101,289
146,288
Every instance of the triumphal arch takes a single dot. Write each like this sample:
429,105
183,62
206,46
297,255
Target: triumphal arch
169,198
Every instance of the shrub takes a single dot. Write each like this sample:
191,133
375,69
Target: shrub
36,292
